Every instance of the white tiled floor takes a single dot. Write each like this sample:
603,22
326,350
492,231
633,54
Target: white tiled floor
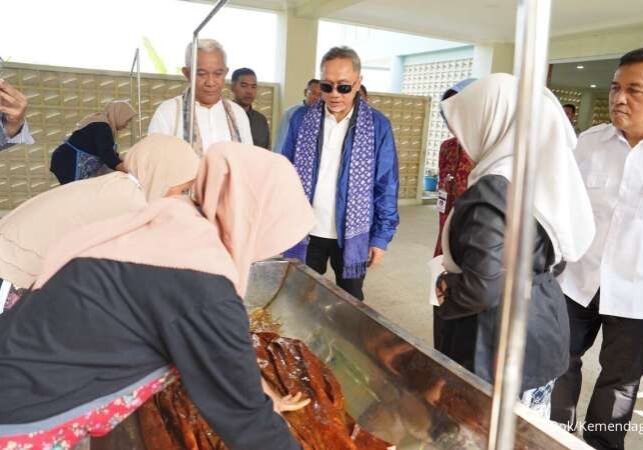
399,290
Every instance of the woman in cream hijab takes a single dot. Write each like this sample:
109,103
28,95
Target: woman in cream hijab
151,289
92,145
158,166
483,118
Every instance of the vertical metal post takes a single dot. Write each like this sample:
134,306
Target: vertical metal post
131,96
193,65
138,89
532,36
193,68
136,64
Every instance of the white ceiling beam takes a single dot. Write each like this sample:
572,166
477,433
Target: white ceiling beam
448,34
323,8
261,5
266,5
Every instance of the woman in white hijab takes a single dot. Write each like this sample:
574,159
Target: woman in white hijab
483,118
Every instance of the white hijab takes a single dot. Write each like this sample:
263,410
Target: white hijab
483,118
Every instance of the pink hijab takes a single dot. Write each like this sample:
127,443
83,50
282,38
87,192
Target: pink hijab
250,205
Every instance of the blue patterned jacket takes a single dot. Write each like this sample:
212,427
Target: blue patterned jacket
386,184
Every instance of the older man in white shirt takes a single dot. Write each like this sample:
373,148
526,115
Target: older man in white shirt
217,119
605,288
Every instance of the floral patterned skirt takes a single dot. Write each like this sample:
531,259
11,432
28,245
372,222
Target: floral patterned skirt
539,399
9,295
97,418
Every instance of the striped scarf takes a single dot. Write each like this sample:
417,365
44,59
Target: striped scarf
198,142
361,178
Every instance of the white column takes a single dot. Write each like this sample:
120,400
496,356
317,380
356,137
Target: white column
584,120
296,56
492,58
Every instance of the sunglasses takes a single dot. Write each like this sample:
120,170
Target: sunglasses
343,89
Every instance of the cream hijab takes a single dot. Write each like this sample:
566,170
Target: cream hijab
161,162
26,234
482,117
116,114
250,205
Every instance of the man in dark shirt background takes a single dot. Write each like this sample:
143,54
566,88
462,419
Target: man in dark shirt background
244,88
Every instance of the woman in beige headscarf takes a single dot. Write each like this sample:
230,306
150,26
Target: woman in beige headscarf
158,166
125,298
92,145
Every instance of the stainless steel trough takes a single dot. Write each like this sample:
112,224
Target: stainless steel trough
395,386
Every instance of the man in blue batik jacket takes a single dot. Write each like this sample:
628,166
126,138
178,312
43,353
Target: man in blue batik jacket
344,153
13,109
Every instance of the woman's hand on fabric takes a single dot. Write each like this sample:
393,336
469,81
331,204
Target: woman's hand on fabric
290,403
375,256
283,404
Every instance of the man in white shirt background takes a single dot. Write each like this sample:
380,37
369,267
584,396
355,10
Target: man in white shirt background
217,119
605,288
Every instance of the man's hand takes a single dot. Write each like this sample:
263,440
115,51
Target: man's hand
375,256
13,104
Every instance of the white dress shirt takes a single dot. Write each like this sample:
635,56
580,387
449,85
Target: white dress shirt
613,175
325,199
213,124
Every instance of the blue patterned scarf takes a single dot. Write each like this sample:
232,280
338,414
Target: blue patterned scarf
361,177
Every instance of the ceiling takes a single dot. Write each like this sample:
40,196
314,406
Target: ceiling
598,73
461,20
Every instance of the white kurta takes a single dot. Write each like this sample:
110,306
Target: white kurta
212,122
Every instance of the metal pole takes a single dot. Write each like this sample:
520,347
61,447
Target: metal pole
532,36
138,96
136,63
195,41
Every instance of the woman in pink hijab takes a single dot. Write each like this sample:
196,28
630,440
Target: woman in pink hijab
124,299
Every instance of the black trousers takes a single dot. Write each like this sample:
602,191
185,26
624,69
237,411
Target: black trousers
320,250
437,329
615,392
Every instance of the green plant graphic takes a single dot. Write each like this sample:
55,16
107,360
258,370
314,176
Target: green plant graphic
156,59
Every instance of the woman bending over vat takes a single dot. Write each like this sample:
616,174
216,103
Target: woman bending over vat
483,118
92,145
122,301
157,166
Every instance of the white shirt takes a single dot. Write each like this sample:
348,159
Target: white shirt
613,175
325,200
212,122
